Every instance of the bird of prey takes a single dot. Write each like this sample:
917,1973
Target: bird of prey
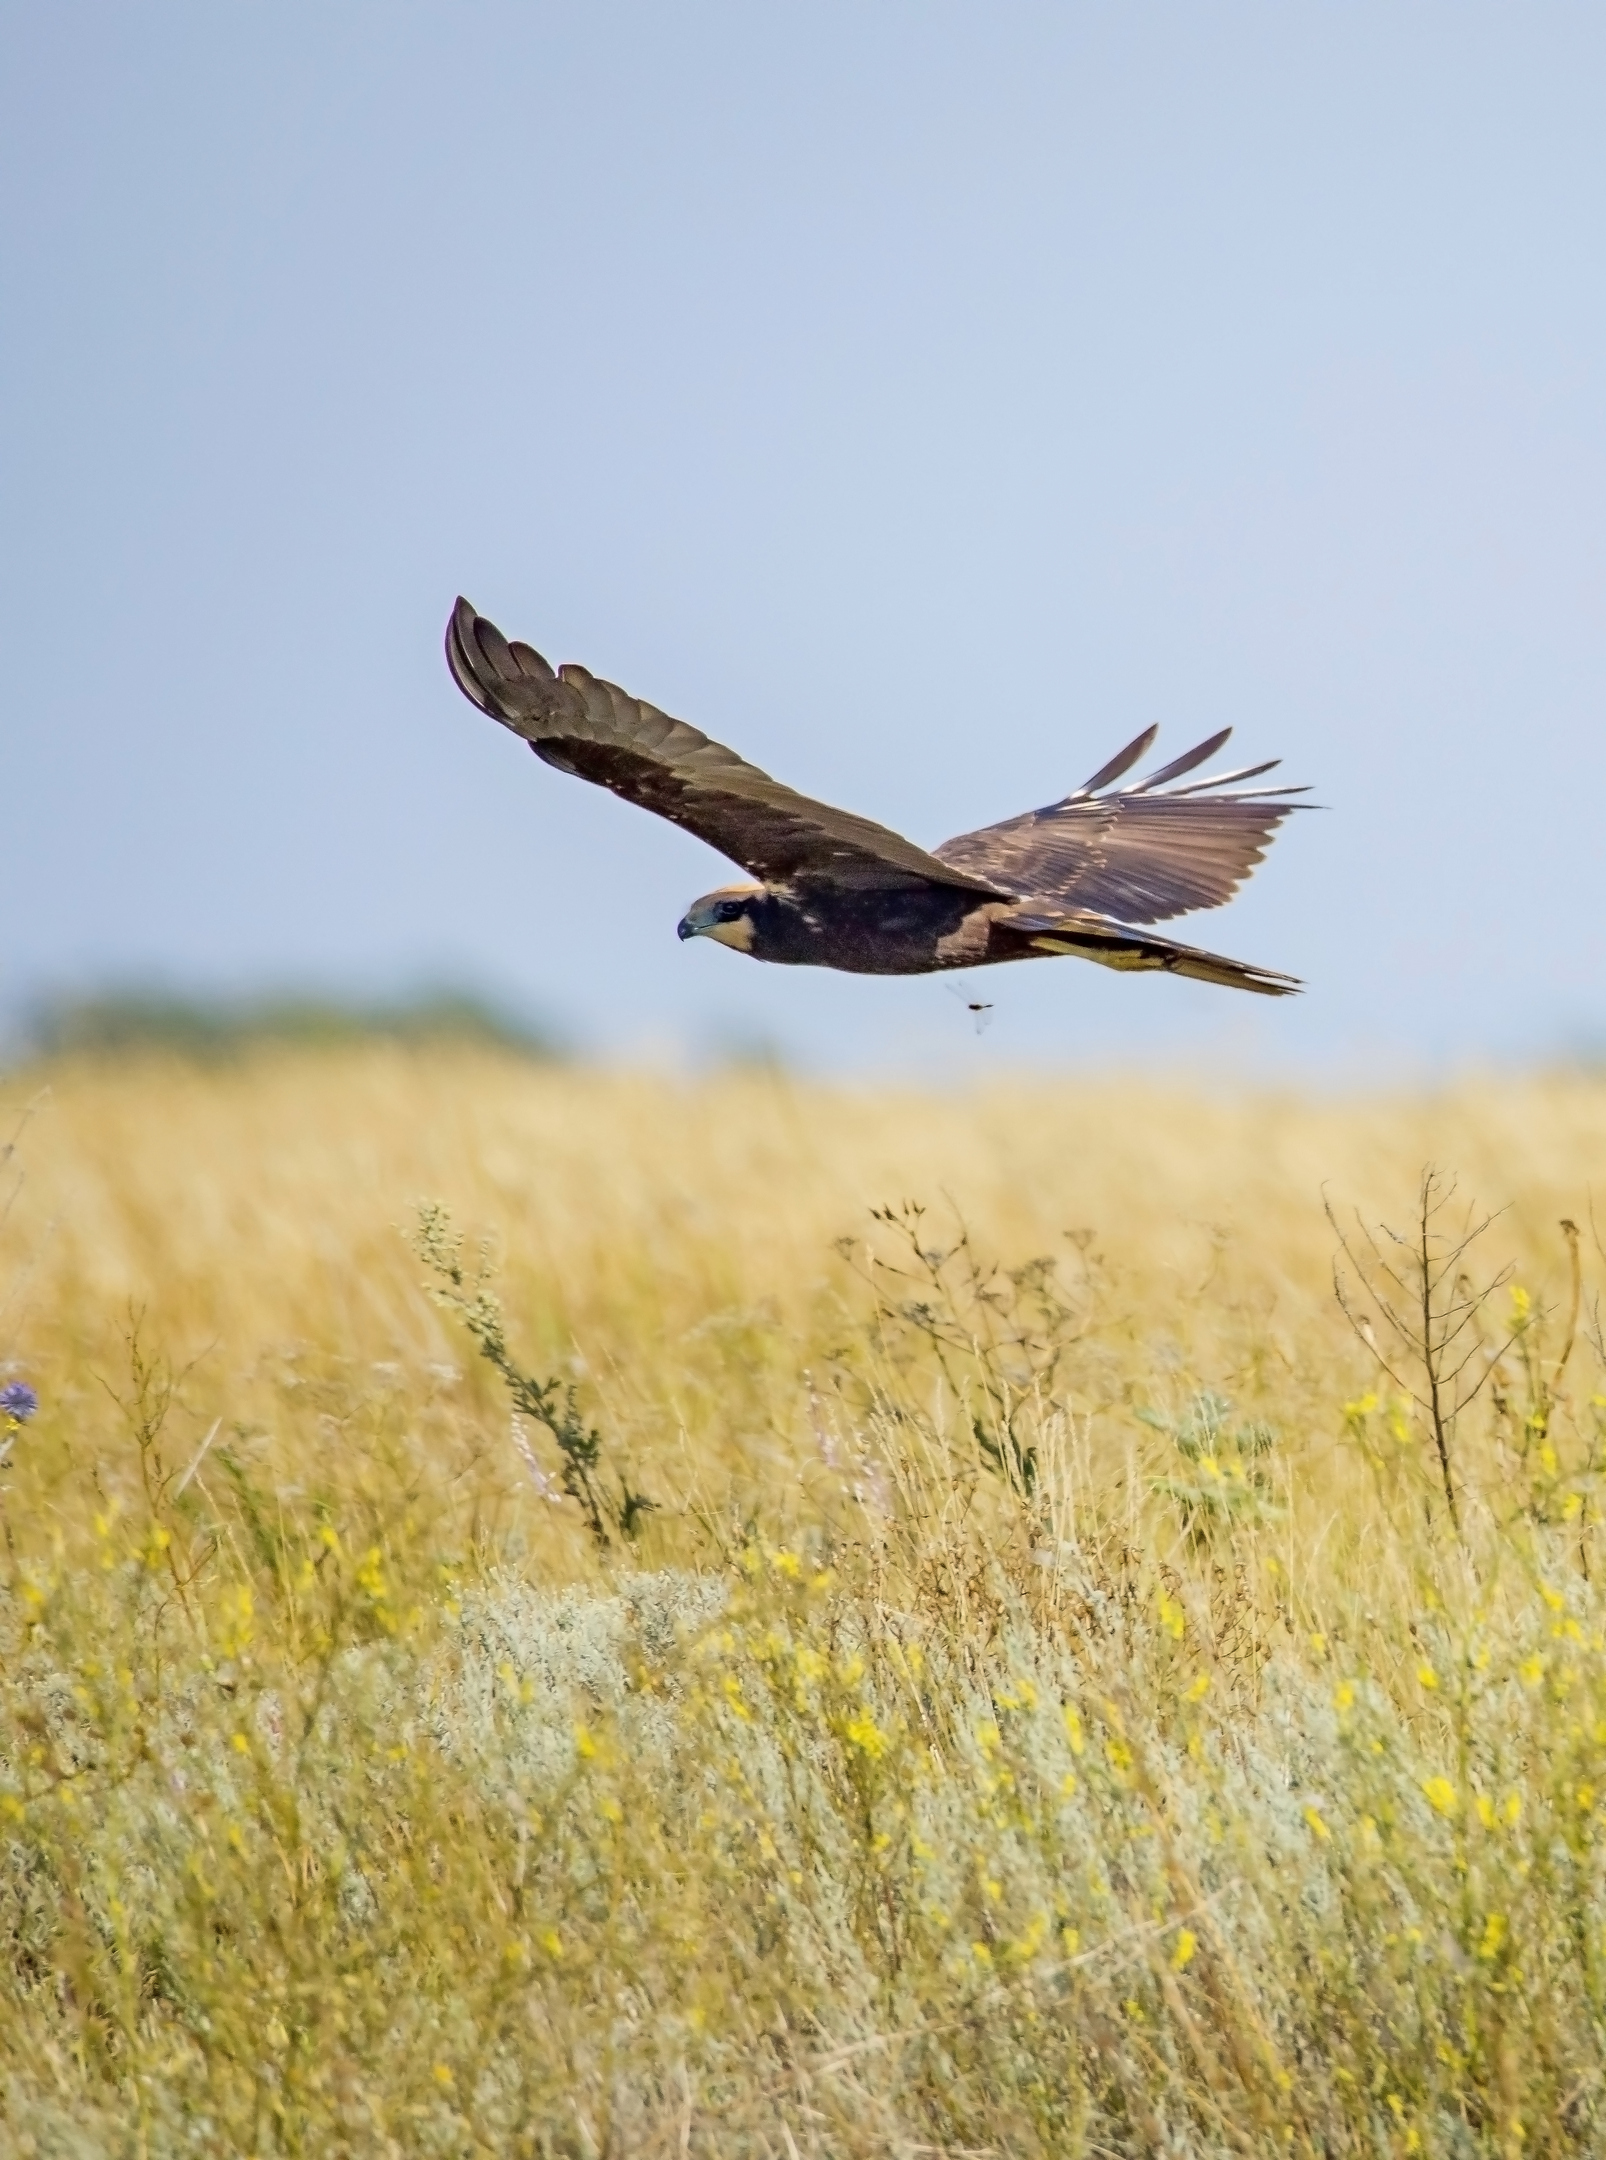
1083,876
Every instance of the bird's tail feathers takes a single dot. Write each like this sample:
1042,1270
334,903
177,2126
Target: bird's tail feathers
1139,951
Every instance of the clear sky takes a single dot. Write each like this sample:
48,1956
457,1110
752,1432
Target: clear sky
922,398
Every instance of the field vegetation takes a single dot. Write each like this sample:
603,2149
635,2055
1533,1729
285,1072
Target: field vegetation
555,1612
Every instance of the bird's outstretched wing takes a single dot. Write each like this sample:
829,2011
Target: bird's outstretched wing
1141,853
583,725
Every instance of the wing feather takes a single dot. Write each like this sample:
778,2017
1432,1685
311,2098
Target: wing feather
1136,854
1122,762
584,725
1200,754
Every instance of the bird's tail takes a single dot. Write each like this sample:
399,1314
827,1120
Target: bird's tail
1113,946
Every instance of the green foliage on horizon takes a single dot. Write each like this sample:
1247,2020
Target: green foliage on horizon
121,1022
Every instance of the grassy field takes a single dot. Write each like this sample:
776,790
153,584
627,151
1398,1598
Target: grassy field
929,1631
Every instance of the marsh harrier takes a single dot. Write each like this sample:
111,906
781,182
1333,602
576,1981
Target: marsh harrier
1083,876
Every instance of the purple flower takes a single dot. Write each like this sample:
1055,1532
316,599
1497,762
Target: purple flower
18,1402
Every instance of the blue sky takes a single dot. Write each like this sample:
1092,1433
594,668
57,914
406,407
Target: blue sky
921,398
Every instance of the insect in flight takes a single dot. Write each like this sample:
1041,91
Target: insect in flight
979,1009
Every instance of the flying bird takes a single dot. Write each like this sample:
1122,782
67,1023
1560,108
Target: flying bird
1083,876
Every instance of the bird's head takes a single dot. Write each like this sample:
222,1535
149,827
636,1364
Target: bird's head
726,915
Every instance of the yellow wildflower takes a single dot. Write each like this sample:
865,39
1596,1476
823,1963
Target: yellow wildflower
732,1687
1031,1941
866,1735
1187,1943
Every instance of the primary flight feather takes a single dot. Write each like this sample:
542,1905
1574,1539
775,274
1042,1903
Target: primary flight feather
1080,876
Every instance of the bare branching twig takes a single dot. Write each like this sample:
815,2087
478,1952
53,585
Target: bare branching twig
997,1335
1418,1291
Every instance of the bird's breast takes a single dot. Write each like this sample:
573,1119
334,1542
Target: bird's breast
896,930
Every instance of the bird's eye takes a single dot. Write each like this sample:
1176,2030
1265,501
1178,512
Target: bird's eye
731,910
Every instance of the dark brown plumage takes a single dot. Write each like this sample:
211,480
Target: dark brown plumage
839,891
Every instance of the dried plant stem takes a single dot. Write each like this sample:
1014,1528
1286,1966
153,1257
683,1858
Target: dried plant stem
1419,1289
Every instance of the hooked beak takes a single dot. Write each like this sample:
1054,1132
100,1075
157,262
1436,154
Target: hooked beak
711,917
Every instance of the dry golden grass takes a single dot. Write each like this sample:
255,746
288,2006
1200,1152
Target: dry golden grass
1044,1712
